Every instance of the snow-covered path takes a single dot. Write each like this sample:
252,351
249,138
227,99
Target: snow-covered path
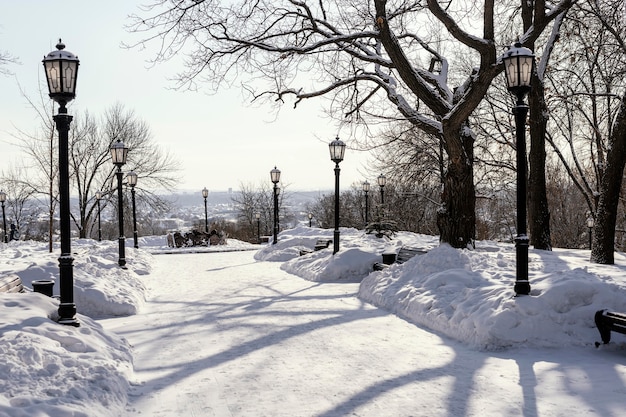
224,335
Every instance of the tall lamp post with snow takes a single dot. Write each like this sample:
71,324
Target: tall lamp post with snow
132,181
366,190
61,68
275,177
3,198
205,194
98,198
119,152
337,149
518,67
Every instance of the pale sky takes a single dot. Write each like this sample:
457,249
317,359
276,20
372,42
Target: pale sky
220,140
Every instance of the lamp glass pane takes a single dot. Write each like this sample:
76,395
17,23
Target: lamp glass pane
53,75
68,73
526,67
511,72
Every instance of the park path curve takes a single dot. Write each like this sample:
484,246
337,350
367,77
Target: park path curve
224,335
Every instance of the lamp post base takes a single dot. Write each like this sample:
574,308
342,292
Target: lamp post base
122,258
335,241
67,314
522,285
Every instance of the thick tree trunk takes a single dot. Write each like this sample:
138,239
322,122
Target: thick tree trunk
457,217
603,247
538,209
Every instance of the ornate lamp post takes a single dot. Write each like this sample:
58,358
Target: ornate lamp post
61,69
310,219
366,190
98,198
3,198
258,227
590,223
119,152
518,67
337,149
382,181
275,177
205,194
132,181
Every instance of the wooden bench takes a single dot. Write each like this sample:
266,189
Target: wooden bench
607,322
404,254
319,245
11,284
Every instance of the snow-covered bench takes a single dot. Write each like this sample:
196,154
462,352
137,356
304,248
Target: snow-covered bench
404,254
319,245
11,283
607,322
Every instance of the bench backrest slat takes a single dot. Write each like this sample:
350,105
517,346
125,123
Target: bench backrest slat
11,284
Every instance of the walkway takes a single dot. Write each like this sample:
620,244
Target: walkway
223,335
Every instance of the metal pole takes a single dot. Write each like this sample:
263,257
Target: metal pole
206,218
522,286
132,192
67,308
4,221
275,216
258,230
99,224
367,208
336,232
590,229
120,214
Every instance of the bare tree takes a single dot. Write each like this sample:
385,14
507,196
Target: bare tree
252,199
41,162
588,112
91,166
371,58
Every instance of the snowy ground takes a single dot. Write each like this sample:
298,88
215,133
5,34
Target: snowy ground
270,333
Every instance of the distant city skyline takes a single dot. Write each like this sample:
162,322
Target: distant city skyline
220,141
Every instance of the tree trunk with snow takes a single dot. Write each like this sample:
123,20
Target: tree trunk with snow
603,247
538,210
457,217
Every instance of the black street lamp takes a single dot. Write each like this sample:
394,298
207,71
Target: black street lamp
590,223
310,219
382,181
337,149
3,198
366,190
258,227
205,194
61,69
132,181
275,177
98,198
119,152
518,67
